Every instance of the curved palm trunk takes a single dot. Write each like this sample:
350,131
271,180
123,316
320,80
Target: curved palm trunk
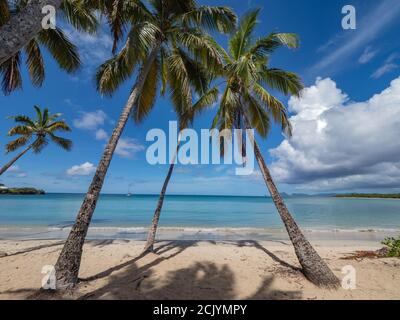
314,268
22,27
156,217
9,164
68,263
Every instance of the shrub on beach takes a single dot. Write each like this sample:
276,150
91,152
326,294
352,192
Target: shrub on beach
393,245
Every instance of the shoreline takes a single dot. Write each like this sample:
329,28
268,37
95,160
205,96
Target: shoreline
198,233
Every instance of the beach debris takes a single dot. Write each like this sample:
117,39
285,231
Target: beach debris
362,254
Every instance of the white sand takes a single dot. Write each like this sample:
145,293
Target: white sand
195,270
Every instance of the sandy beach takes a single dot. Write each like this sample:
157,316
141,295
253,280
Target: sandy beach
113,269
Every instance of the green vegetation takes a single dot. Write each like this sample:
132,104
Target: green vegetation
369,195
394,246
21,191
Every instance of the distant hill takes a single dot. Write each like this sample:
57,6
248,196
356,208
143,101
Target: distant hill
20,191
369,195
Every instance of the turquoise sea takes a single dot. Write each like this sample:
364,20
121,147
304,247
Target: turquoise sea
58,211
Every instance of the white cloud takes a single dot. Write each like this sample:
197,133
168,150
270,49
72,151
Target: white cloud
347,43
101,134
90,120
338,144
387,67
127,147
367,55
84,169
94,49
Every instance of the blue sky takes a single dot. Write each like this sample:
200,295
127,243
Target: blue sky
343,140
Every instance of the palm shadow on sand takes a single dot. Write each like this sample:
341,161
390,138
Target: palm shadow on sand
201,280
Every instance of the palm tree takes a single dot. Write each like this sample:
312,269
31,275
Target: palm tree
39,130
165,40
185,119
54,40
246,103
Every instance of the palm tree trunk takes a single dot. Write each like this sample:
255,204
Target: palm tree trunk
314,268
68,263
22,27
156,217
9,164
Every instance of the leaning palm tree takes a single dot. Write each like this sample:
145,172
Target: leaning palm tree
185,119
35,134
55,41
246,103
165,40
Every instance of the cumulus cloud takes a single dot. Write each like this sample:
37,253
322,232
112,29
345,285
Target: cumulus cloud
128,147
90,120
339,144
85,169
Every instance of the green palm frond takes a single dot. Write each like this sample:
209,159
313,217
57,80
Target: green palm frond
80,15
148,94
17,143
39,144
39,115
4,12
11,75
241,39
112,73
62,50
221,19
66,144
276,108
207,100
258,116
58,126
35,63
284,81
20,130
267,45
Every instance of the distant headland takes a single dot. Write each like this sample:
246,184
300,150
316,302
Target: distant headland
19,191
369,195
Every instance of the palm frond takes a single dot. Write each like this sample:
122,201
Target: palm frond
241,39
20,130
35,63
17,143
268,44
284,81
148,93
276,108
11,75
221,19
80,15
258,116
58,126
66,144
62,50
4,12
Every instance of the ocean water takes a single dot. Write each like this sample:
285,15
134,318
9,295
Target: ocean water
119,211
